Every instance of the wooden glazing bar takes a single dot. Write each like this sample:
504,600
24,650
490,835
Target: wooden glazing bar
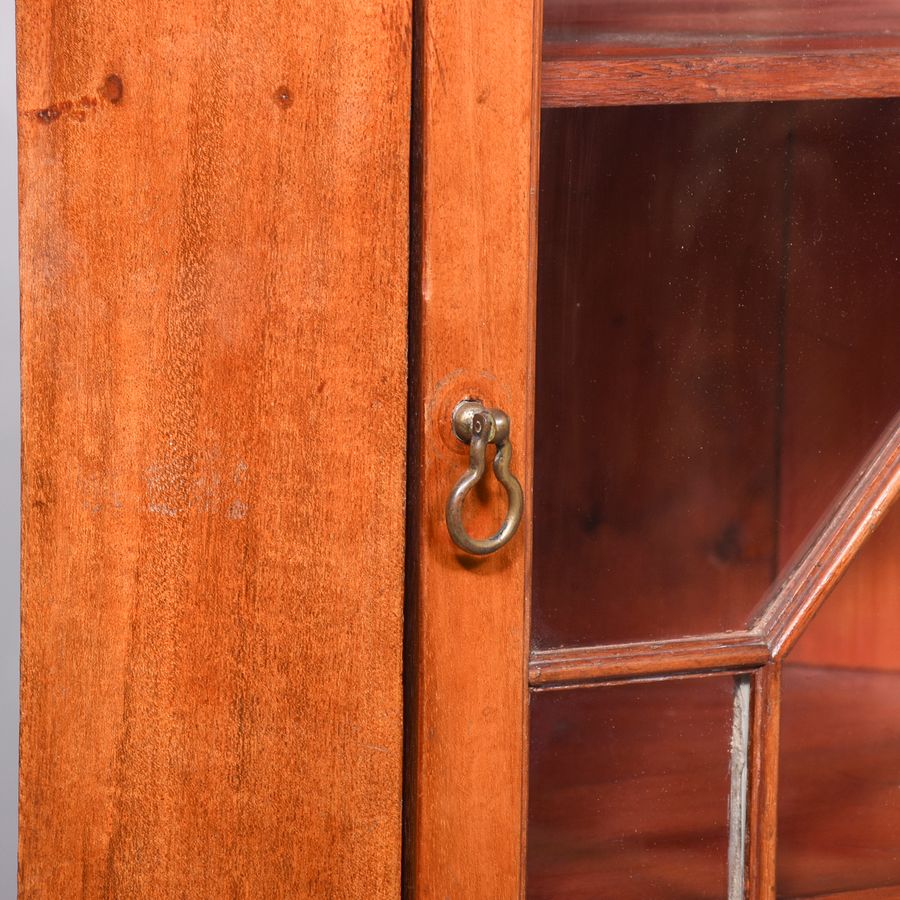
762,816
577,665
793,602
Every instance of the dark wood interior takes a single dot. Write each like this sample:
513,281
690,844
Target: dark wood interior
839,792
621,52
659,302
859,625
717,349
718,324
629,787
628,791
839,782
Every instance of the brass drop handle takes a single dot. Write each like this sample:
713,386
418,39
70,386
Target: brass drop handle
476,426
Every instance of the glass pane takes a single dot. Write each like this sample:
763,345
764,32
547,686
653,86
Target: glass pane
839,782
717,350
629,791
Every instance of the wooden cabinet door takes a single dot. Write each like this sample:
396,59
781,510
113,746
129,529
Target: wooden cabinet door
214,280
472,337
699,369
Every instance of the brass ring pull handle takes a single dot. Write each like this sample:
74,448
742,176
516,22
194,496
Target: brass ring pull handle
476,426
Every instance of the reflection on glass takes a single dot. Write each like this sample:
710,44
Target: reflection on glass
629,791
717,350
839,783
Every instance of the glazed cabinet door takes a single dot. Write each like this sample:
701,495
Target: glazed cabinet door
669,307
214,203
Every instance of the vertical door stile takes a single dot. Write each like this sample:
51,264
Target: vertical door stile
476,116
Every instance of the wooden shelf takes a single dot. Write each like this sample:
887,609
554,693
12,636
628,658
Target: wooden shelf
636,52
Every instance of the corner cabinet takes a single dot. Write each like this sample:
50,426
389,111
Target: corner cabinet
681,677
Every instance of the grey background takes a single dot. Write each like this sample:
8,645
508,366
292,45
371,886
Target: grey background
9,455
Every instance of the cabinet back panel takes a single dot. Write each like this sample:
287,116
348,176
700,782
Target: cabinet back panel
628,791
716,299
838,809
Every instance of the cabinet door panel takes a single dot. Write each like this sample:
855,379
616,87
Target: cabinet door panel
213,516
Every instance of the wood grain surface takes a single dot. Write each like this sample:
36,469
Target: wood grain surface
762,782
732,77
842,368
746,281
826,349
732,651
838,815
788,607
214,269
891,892
660,296
477,114
605,52
629,791
858,626
711,23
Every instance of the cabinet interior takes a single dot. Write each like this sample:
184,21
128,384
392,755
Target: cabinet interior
717,329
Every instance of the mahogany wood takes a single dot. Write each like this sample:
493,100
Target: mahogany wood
607,52
581,665
691,78
661,288
836,738
793,601
891,892
629,791
214,268
762,782
834,339
203,611
842,368
833,342
858,625
477,110
718,23
820,382
838,815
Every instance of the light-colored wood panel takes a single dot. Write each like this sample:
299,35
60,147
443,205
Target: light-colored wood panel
214,243
478,114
